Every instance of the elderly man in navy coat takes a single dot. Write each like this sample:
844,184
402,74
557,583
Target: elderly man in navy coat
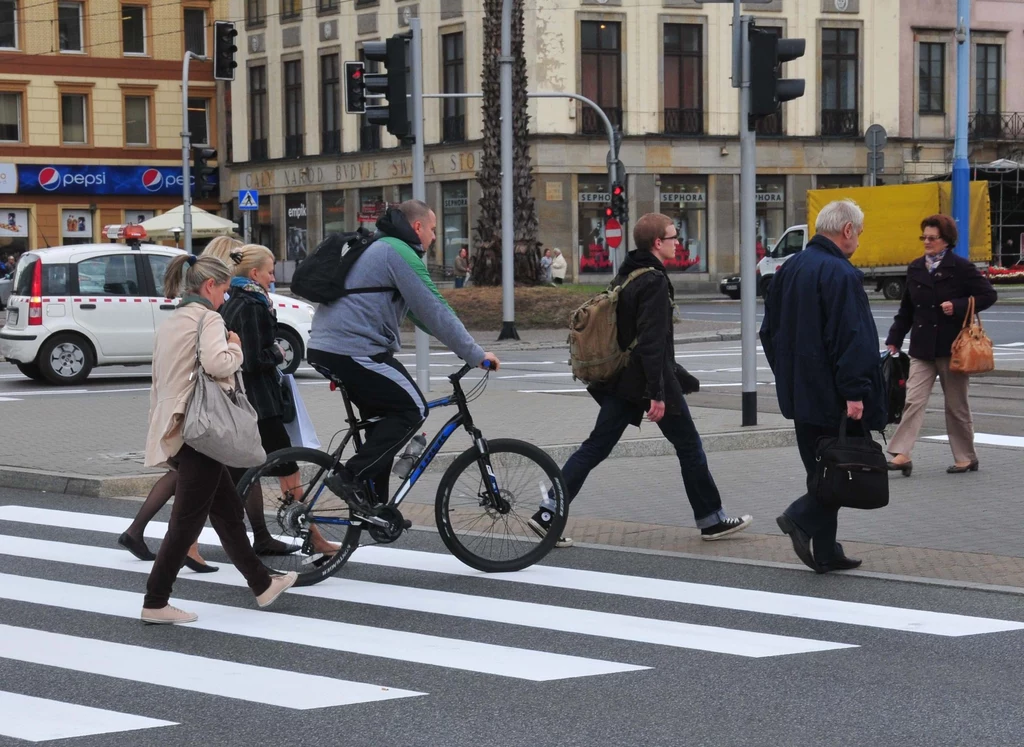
820,339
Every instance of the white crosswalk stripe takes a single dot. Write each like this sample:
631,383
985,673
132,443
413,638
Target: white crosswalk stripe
238,617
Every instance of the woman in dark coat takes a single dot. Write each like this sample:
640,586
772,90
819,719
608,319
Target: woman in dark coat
939,287
249,313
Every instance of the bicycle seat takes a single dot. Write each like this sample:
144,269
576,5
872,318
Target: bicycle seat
336,383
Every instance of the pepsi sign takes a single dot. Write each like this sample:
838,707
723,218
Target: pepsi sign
101,180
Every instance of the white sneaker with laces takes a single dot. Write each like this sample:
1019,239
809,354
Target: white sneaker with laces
278,586
168,616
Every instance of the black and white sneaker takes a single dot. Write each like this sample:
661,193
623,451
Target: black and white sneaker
540,523
727,527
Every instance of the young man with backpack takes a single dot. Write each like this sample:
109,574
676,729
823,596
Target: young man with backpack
643,377
355,337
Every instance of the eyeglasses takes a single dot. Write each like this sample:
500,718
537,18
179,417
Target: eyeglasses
673,237
927,239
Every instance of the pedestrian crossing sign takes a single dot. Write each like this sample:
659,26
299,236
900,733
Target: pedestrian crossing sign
248,199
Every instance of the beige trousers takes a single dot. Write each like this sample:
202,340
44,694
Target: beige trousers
959,423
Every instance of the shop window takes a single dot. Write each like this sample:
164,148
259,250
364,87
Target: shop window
455,219
685,201
770,200
333,212
591,200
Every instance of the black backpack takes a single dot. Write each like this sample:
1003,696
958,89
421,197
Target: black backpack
320,278
895,372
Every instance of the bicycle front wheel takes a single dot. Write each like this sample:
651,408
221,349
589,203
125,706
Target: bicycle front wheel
303,518
499,538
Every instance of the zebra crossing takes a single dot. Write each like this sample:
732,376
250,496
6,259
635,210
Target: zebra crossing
32,718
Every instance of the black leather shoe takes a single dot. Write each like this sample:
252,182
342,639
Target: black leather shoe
954,470
138,548
274,547
801,541
195,565
841,562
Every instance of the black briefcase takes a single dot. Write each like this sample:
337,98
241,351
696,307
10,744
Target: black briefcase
851,471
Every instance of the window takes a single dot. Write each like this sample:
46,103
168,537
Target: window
291,9
258,113
330,106
73,107
293,113
158,264
332,212
69,27
255,12
195,31
366,3
55,277
113,275
199,120
369,135
136,120
684,79
931,78
453,125
133,29
326,5
601,67
685,201
8,24
10,117
839,81
988,85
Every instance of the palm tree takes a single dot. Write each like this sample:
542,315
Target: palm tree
487,233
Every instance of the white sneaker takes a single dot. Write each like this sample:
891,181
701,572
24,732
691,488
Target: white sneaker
278,586
168,616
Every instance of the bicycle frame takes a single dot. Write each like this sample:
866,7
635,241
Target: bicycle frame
462,418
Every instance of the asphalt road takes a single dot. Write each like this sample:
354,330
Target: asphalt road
594,647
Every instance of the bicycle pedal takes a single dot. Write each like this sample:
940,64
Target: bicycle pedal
406,524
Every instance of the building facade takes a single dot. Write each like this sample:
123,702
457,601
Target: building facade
91,113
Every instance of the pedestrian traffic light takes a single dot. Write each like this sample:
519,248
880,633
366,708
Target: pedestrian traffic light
619,209
224,50
389,84
203,173
355,90
767,54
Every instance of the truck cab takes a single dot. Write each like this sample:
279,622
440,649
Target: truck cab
793,240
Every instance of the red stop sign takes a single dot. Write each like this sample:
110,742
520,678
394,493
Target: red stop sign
613,233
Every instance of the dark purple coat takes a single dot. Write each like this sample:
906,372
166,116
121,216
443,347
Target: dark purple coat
932,332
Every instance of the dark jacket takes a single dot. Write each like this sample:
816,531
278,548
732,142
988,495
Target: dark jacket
644,313
255,323
820,339
932,332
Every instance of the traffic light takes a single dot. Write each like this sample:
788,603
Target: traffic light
767,54
203,173
355,90
224,50
390,84
619,209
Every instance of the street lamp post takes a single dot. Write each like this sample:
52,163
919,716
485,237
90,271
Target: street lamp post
961,169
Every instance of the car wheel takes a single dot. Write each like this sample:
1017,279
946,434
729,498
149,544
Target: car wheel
31,370
65,359
734,295
892,289
292,346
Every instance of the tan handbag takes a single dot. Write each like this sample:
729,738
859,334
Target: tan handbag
972,349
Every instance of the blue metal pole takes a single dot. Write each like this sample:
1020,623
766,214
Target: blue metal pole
961,169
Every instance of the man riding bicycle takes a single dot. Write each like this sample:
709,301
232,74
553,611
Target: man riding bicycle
355,339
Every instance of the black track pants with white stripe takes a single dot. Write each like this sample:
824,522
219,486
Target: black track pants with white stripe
380,387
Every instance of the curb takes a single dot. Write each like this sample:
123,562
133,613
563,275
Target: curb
97,486
719,335
1003,374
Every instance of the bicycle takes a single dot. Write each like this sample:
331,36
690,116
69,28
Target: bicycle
500,498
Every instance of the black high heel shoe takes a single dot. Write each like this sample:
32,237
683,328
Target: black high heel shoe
906,468
954,470
138,548
194,565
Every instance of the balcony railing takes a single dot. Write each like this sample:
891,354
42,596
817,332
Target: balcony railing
258,150
592,124
995,126
840,123
770,125
684,122
330,142
369,137
454,128
293,146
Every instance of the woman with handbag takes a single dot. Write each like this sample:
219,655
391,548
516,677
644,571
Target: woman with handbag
204,487
249,313
133,539
942,289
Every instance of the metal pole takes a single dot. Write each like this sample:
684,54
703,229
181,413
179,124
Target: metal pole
961,169
508,280
419,180
748,253
186,177
737,47
247,226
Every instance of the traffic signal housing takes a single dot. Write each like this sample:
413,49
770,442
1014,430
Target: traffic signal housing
355,89
767,54
619,209
203,174
224,49
389,84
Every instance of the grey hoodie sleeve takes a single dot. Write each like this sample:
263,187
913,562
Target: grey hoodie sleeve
428,309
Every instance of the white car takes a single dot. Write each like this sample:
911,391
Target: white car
77,307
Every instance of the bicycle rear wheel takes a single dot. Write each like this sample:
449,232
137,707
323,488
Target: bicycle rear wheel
497,540
291,520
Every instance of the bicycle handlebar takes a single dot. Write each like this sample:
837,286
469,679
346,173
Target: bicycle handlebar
456,377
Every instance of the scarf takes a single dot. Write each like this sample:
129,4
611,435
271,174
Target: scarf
249,286
195,299
931,262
